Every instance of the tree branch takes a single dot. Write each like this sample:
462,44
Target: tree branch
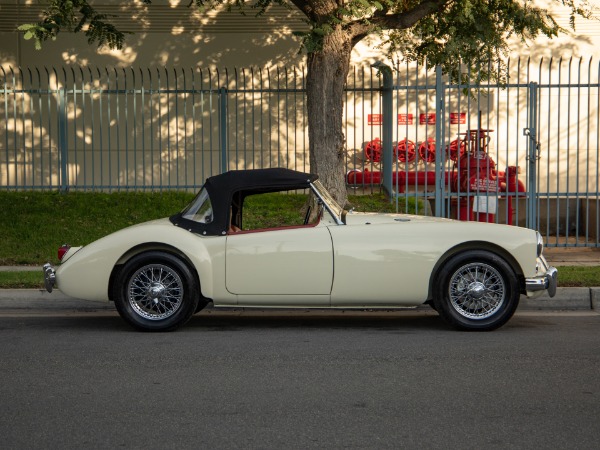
409,18
305,7
398,21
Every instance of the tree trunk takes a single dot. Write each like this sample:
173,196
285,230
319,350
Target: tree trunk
325,81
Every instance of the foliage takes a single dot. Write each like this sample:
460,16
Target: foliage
273,210
76,16
46,220
22,280
578,276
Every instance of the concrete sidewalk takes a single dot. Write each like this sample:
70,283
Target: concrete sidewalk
572,256
20,268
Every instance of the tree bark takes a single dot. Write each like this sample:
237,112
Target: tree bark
325,81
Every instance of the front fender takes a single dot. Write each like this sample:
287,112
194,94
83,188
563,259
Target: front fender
86,274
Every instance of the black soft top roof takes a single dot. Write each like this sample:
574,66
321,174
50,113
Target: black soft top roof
269,180
221,189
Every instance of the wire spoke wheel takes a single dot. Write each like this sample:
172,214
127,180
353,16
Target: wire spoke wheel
155,292
477,291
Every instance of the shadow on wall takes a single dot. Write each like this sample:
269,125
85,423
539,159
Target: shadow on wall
182,37
146,128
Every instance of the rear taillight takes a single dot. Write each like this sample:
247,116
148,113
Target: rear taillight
62,251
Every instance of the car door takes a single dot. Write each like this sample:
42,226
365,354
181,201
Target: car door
292,261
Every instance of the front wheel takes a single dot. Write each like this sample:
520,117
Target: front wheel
476,290
156,291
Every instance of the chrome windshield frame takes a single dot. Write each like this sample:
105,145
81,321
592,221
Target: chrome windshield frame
201,198
330,204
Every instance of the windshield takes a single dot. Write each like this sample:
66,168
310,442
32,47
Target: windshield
334,208
200,209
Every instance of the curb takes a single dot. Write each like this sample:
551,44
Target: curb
40,299
21,268
566,299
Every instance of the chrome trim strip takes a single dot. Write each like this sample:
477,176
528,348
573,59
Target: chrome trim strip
337,219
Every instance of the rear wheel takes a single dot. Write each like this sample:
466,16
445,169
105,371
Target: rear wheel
156,291
476,290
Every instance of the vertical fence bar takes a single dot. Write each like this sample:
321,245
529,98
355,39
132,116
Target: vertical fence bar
14,133
62,138
387,132
597,177
440,183
168,141
135,96
32,138
23,139
235,144
5,96
75,176
41,136
93,127
49,127
223,131
532,157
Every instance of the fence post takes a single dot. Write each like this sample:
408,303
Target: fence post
62,139
532,157
387,132
223,144
439,139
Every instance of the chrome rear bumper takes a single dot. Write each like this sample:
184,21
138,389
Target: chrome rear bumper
546,282
49,277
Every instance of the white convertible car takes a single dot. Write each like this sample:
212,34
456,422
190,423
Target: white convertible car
160,273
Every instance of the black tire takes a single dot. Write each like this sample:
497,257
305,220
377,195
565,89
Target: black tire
476,290
156,291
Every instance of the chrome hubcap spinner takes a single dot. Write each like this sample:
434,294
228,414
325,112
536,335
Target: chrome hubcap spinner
155,292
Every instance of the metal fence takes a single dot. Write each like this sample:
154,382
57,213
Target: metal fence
83,128
115,129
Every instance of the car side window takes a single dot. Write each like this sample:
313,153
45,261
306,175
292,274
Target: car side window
275,210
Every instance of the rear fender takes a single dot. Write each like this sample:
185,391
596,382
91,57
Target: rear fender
152,246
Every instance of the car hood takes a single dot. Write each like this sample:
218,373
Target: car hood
355,218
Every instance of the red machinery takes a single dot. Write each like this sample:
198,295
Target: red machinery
475,176
427,150
373,150
405,151
456,149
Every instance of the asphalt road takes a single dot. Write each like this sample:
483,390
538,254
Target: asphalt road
80,378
